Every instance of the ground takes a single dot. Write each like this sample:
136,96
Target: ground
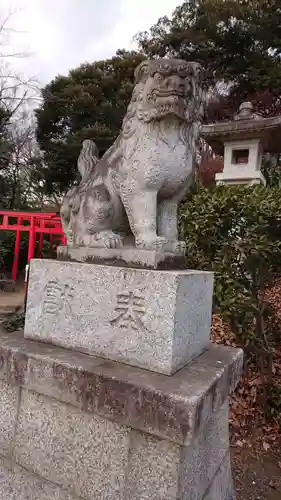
256,472
12,301
256,454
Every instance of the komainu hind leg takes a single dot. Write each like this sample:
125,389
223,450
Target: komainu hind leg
167,223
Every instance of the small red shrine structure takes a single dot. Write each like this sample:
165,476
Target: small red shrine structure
34,223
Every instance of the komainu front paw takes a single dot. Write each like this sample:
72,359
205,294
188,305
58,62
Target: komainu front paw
106,239
148,242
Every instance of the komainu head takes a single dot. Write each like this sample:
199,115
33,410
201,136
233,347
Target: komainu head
167,88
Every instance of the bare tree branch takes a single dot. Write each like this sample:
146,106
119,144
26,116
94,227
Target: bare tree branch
20,156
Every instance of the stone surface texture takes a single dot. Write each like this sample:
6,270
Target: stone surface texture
145,174
222,485
9,401
202,458
84,453
160,469
153,469
159,320
89,428
18,484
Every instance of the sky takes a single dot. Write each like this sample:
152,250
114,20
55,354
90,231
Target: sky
62,34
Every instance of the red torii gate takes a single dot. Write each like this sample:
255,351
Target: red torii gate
33,223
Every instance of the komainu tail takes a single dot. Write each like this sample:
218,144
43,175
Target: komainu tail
88,158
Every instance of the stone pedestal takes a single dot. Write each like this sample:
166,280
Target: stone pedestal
125,256
80,427
76,427
159,320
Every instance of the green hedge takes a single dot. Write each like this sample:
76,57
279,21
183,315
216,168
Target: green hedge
235,231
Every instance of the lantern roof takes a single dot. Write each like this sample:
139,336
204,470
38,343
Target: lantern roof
245,125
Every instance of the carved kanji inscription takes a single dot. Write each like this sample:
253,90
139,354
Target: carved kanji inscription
129,310
57,297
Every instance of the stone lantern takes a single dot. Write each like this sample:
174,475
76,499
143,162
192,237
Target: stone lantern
242,142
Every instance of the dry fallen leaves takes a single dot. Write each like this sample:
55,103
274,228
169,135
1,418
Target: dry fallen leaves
246,413
265,446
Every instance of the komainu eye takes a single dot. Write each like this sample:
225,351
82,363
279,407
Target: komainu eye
158,77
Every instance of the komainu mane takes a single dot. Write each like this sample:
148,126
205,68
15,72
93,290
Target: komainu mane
149,168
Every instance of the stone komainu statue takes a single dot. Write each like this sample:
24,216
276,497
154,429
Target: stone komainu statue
147,171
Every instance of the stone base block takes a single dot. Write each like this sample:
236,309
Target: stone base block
159,320
125,256
87,428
